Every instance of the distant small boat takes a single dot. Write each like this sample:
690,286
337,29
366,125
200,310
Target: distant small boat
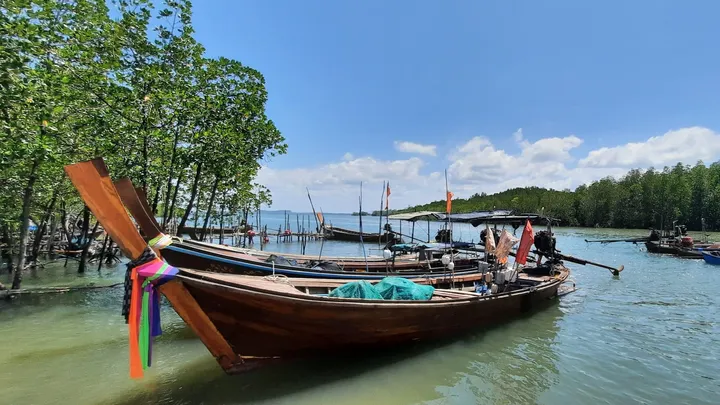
336,233
712,257
679,251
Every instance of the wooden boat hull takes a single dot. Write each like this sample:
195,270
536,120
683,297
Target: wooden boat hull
257,322
348,235
348,264
226,262
267,253
655,247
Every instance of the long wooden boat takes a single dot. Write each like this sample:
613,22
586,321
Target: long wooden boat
662,248
264,254
349,235
246,322
267,319
238,263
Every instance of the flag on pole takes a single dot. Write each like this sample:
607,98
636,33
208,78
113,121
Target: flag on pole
449,201
387,196
526,240
489,239
506,242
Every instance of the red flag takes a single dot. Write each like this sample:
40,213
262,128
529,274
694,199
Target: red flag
449,201
387,197
526,240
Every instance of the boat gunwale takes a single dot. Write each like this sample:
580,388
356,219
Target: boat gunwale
212,282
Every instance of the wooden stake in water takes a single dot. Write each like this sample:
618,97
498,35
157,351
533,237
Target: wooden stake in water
313,210
361,231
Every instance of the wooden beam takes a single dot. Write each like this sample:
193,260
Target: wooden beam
199,322
132,201
92,180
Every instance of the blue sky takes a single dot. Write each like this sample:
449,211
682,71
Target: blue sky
500,93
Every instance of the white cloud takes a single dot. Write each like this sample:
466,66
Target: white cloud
336,186
686,145
478,162
479,166
518,135
416,148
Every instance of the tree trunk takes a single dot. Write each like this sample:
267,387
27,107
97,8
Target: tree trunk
145,154
24,224
222,223
83,237
192,233
168,186
156,199
109,255
210,207
193,194
102,251
6,253
51,236
171,212
63,221
40,232
86,247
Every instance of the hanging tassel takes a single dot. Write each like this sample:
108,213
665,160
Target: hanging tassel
144,322
136,369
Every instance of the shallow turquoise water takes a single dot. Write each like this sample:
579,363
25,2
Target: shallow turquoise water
651,336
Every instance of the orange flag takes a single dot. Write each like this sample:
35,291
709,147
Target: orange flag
449,201
526,240
320,218
387,197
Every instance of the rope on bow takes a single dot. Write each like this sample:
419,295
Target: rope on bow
161,241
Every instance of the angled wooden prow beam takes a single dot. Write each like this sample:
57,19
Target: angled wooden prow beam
92,180
142,197
133,202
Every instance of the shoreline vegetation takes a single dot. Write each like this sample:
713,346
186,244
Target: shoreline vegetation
638,200
126,81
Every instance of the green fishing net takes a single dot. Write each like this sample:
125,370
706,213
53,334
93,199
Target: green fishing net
356,289
389,288
398,288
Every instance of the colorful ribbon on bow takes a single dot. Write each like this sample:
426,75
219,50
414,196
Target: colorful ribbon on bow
144,316
161,241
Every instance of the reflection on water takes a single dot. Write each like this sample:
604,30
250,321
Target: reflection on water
650,336
487,363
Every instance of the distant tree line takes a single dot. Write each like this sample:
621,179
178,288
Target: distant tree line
640,199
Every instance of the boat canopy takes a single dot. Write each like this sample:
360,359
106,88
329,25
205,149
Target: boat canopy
496,217
415,216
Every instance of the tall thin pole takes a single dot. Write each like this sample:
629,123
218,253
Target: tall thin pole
322,242
361,230
260,230
387,211
317,224
382,197
449,222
